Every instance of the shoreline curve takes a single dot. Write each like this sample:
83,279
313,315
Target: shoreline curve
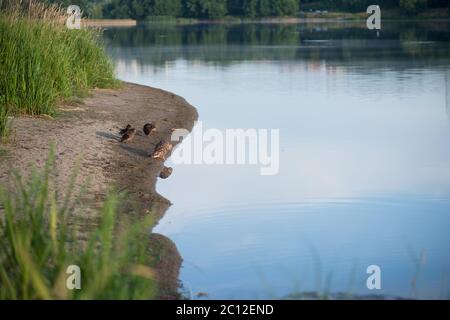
86,131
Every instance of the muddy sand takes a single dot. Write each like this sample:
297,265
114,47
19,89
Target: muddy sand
86,133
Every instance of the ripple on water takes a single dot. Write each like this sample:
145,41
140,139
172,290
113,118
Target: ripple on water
289,243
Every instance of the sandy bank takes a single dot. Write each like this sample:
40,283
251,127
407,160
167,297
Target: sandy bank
109,22
87,132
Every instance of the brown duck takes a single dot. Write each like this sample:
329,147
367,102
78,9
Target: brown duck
162,150
165,172
125,130
129,135
149,127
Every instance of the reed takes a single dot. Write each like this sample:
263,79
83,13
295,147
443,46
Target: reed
4,123
43,63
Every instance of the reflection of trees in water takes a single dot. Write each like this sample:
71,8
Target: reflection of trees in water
223,44
447,92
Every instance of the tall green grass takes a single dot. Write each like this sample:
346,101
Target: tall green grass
38,242
4,121
42,62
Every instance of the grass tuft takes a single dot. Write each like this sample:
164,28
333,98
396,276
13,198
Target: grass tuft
43,63
4,122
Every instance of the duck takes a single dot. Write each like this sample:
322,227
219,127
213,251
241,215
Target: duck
165,172
128,136
162,150
125,130
149,127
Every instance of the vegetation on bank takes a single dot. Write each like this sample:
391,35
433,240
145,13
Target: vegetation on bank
38,243
219,9
42,62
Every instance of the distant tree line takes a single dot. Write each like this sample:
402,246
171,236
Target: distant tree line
406,6
201,9
216,9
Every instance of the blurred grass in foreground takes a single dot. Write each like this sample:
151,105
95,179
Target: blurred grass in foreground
38,243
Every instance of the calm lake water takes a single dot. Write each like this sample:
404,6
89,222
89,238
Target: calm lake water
364,175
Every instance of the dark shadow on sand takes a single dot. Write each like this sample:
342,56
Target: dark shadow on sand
135,151
108,135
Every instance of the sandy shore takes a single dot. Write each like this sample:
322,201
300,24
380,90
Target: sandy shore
108,22
87,132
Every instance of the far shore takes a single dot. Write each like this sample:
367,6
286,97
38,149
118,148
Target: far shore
302,18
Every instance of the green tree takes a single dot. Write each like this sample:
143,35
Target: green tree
165,8
411,7
249,8
264,8
284,7
234,7
204,9
118,9
137,7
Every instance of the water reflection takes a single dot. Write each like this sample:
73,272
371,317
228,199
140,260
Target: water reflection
222,45
364,164
447,95
280,250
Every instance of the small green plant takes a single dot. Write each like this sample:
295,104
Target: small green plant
38,242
